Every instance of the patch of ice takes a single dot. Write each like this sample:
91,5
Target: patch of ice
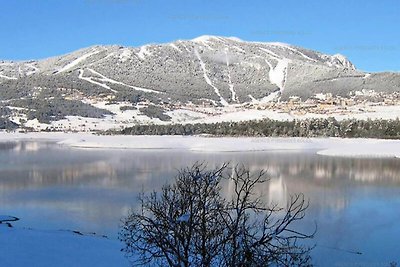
363,148
325,146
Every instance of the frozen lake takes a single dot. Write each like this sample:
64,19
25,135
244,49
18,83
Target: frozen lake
354,201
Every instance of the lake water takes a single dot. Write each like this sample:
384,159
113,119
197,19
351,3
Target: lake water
355,202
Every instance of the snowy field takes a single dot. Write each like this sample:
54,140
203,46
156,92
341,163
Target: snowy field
232,113
323,146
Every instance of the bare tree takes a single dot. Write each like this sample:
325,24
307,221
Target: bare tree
191,223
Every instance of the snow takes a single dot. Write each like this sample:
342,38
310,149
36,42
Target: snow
324,146
125,55
208,81
338,147
175,47
231,86
143,52
271,97
105,79
374,112
35,124
7,77
119,120
253,100
113,54
208,38
233,38
184,46
343,61
33,67
22,247
185,116
197,114
237,48
77,61
237,115
364,148
270,53
294,50
278,74
203,38
321,96
89,79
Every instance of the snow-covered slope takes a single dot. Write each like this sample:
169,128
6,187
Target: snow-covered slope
221,70
208,70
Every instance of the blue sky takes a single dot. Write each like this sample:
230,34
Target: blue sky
366,31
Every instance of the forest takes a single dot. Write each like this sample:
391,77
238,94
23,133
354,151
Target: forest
330,127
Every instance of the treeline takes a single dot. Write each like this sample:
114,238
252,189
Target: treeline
386,129
153,111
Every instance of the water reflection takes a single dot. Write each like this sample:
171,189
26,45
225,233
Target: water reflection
49,186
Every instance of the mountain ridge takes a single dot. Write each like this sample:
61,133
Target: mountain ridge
208,70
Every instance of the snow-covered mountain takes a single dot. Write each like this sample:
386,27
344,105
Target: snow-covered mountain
219,71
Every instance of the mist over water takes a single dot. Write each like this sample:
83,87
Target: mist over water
355,202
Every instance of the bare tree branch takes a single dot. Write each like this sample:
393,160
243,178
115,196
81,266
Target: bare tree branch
190,223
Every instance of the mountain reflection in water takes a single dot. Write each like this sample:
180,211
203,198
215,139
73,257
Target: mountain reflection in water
353,201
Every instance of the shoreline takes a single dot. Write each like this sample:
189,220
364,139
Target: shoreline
330,146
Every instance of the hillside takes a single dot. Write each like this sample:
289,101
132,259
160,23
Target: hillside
208,75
